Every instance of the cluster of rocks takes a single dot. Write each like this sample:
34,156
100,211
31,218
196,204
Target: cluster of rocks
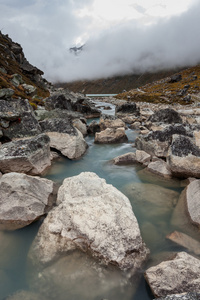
85,214
168,146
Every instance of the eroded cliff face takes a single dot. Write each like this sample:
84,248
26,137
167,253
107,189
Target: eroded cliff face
17,74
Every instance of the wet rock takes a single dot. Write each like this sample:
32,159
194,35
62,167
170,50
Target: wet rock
79,276
80,125
6,93
64,137
93,127
182,296
157,142
168,116
192,198
175,78
107,121
179,275
94,217
25,295
86,107
30,156
128,108
23,199
125,159
161,168
111,135
142,157
156,200
185,241
135,125
21,118
184,157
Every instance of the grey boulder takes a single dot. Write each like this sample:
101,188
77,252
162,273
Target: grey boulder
179,275
23,199
30,156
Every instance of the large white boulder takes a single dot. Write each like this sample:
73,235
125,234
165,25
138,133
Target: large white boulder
92,216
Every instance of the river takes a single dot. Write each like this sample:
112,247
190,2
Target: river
149,198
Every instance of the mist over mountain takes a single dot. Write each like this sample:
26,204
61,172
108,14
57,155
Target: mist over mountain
128,47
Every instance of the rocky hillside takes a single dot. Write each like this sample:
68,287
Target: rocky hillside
18,78
115,85
182,88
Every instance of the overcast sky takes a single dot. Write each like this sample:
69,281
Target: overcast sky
120,36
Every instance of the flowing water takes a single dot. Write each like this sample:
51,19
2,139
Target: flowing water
77,276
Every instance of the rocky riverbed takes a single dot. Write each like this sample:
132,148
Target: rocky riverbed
88,218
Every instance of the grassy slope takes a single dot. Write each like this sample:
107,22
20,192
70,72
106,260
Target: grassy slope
163,91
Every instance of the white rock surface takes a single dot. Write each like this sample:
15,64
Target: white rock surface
193,201
92,216
111,135
179,275
161,168
72,146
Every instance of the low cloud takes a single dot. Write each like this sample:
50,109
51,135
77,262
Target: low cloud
126,48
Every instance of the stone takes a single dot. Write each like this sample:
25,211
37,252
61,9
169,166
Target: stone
184,157
77,275
157,142
93,127
30,155
167,115
29,89
125,159
107,121
182,296
25,295
179,275
142,157
6,93
175,78
16,80
24,199
128,108
197,138
111,135
135,125
185,241
94,217
64,137
80,125
58,101
22,120
86,107
161,168
42,114
193,199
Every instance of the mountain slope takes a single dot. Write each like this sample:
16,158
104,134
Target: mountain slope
182,87
16,73
115,85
